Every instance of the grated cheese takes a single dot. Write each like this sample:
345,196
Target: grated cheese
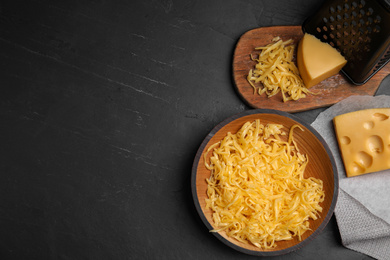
257,190
277,72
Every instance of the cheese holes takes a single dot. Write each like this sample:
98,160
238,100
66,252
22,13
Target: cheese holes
369,125
345,140
357,169
380,116
375,144
363,159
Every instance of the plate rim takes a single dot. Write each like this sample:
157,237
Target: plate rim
260,111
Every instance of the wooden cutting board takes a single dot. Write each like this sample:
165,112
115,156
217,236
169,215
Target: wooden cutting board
332,90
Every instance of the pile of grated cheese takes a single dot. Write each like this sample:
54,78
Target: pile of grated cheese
277,72
257,190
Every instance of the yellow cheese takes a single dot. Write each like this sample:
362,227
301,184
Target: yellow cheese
364,140
317,60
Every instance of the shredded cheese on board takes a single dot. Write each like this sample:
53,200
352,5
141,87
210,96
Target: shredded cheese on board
257,190
277,72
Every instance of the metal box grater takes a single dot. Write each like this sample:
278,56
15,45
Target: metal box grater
359,29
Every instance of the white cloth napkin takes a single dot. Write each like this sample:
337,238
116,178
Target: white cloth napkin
363,207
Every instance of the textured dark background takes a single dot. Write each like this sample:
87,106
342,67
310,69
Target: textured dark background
103,105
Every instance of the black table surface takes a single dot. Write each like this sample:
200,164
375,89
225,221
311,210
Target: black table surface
103,105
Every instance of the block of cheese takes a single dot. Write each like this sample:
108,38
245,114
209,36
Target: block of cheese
364,140
317,60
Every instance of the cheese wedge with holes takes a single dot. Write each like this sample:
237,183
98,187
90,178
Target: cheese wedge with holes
317,60
364,140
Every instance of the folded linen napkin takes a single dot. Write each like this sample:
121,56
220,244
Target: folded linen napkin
363,207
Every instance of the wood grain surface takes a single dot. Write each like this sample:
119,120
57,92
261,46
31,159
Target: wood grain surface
321,166
330,91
